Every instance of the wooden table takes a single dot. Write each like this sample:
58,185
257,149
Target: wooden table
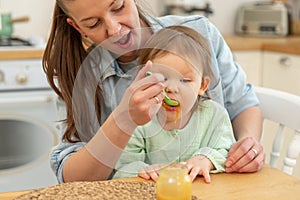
269,183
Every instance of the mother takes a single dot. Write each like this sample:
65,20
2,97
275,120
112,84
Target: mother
92,142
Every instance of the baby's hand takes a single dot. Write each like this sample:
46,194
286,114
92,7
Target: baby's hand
199,165
150,172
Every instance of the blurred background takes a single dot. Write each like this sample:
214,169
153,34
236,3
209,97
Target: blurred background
264,37
40,13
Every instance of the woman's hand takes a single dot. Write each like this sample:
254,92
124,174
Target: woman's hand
246,155
141,100
199,165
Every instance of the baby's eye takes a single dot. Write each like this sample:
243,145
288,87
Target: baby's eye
186,80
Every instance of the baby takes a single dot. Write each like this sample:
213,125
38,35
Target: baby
193,129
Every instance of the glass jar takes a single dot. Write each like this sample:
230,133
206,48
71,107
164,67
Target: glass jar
174,183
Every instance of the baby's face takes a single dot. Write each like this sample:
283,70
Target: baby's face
182,81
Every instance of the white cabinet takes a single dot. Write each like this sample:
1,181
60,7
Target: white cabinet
251,62
281,71
271,69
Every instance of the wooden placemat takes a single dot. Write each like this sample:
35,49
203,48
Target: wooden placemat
96,190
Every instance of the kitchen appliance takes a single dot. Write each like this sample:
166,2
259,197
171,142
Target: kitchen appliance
262,19
7,22
188,7
28,125
13,41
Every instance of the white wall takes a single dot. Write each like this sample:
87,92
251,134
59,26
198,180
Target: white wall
224,12
39,12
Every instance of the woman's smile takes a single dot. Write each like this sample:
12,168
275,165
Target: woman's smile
125,41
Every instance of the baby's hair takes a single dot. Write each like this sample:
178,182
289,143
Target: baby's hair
184,42
181,41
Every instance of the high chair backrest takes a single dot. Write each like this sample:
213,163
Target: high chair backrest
284,109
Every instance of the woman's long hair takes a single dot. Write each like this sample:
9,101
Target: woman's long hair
62,59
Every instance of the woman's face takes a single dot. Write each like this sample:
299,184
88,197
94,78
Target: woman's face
183,83
114,24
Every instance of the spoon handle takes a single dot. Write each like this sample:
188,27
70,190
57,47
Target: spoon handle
167,99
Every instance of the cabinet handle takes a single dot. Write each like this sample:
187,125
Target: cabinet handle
2,76
285,61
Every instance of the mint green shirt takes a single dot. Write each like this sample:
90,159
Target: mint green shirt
208,132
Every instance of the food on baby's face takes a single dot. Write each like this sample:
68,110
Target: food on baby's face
176,109
170,102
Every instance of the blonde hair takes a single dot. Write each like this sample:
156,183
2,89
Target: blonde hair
182,41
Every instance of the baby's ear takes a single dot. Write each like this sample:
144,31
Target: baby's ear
204,85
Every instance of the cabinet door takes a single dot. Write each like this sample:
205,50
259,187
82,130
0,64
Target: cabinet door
251,62
281,71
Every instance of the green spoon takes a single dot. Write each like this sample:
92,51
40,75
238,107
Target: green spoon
167,99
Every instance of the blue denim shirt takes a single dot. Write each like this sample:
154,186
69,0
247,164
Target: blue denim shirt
229,89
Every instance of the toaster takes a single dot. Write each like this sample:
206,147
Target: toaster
262,19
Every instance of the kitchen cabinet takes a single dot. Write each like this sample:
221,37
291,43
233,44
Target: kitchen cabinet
281,71
251,62
271,69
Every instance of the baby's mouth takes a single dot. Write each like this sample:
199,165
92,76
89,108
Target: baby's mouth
169,107
169,101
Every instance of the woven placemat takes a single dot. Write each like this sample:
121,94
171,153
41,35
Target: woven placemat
96,190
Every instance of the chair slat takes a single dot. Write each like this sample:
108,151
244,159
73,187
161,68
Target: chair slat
292,154
277,145
284,109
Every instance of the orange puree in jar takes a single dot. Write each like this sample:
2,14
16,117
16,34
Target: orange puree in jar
174,183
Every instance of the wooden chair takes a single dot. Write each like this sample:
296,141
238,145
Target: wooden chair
284,109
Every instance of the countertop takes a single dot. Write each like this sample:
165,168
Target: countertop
17,53
290,44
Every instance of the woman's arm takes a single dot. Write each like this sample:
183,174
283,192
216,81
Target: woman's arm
247,128
248,123
98,157
96,161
